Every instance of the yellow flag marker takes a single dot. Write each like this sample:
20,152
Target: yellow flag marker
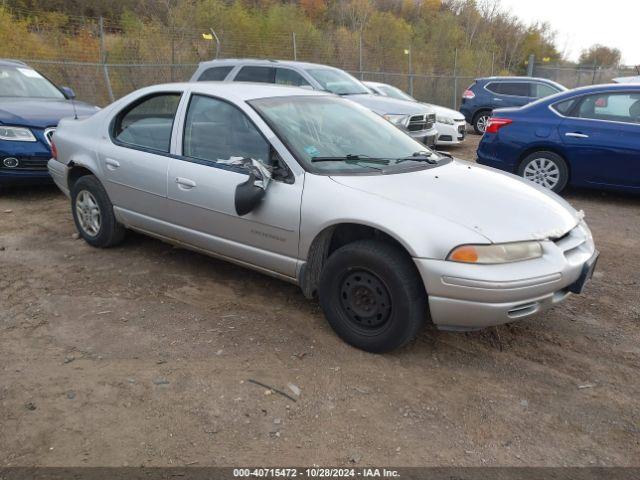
207,36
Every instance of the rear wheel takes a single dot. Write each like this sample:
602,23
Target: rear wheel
93,213
372,296
547,169
480,121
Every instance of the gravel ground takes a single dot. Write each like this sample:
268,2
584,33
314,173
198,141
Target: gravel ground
143,355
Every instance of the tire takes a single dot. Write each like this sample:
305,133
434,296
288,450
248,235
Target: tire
547,169
372,296
480,121
89,201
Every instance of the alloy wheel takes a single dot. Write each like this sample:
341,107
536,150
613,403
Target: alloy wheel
542,171
88,213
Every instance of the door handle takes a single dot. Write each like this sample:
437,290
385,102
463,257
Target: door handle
576,135
111,163
185,182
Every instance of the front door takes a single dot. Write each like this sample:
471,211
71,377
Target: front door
202,184
601,135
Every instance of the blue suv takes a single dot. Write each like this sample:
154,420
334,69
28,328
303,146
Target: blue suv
485,94
30,109
587,137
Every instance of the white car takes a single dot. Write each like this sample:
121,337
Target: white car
450,124
319,191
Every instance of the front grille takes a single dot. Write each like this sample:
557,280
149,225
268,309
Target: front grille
431,120
28,163
417,123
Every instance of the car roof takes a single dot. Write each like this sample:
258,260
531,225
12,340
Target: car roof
261,62
242,90
513,78
9,62
604,87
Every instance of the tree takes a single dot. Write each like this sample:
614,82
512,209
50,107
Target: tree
601,55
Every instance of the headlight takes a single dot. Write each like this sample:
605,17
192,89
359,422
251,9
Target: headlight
445,120
397,120
498,253
16,134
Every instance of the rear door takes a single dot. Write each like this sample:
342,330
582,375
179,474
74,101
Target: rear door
135,157
202,184
509,93
601,136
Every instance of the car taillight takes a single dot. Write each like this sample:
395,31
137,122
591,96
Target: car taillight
54,150
468,95
496,124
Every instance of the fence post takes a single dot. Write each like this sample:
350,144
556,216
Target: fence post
360,55
530,65
295,49
410,72
455,80
595,69
103,60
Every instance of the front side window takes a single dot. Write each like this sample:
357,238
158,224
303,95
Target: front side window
331,135
148,123
26,82
256,74
215,74
541,90
614,107
217,131
518,89
337,81
286,76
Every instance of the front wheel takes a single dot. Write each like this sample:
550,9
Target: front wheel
93,213
547,169
372,296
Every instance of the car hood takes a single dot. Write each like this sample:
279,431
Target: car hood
497,205
386,105
40,112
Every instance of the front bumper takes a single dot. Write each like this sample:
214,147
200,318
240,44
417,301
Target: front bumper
470,297
428,137
31,162
451,134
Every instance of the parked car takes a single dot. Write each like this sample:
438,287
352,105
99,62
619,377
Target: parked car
416,120
30,108
321,192
485,94
587,137
450,124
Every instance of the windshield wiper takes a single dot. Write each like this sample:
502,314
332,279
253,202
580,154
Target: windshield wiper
423,156
351,158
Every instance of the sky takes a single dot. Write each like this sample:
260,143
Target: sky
581,23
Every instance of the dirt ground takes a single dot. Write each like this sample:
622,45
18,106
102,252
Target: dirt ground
142,355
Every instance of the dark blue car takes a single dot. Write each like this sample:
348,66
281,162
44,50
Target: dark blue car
486,94
588,137
30,108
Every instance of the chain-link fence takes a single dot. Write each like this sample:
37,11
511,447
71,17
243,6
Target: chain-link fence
581,75
103,61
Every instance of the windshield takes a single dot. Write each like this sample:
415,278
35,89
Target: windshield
332,135
26,82
394,92
337,81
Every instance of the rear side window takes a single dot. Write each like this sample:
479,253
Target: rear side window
285,76
148,122
215,74
613,107
518,89
256,74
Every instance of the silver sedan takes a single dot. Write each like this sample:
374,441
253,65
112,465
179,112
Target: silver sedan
321,192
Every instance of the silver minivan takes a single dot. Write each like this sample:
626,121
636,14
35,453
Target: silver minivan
415,119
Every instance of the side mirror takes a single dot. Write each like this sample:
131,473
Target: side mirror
249,194
68,92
